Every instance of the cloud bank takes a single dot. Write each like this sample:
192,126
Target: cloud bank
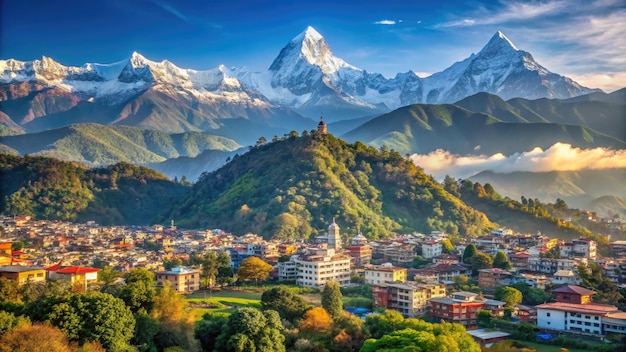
559,157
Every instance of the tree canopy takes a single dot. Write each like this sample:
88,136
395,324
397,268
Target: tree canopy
281,299
95,316
332,300
510,295
254,268
501,261
248,329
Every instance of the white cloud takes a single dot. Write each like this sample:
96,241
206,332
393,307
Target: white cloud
608,81
386,22
559,157
510,11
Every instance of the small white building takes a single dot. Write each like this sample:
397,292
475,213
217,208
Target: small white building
431,249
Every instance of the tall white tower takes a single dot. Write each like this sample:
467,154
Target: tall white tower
334,239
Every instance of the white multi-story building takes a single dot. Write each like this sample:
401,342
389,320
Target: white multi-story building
287,271
550,265
431,249
320,265
582,318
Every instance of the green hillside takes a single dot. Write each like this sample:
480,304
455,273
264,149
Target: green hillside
292,188
607,116
95,144
47,188
423,128
578,188
527,215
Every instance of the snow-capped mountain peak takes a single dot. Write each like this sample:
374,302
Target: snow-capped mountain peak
498,44
308,34
137,60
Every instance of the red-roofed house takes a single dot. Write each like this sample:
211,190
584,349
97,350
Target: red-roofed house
75,274
573,294
574,312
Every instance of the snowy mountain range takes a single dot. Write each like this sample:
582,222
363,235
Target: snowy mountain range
304,80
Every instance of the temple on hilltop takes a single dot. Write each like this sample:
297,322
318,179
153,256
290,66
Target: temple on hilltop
321,127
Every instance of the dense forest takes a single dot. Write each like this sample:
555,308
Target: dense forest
293,187
288,188
48,188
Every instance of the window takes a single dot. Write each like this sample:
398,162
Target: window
547,314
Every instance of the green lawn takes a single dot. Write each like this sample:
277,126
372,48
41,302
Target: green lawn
224,302
549,348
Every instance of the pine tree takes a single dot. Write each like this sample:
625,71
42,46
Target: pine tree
332,299
469,252
501,261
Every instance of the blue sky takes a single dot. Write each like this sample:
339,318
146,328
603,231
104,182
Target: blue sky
585,40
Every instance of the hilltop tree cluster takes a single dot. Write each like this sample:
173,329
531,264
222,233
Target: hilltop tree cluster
290,188
47,188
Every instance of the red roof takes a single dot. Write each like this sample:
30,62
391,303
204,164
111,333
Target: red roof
77,270
587,308
573,289
54,267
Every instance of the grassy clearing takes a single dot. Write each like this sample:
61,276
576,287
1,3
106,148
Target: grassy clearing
222,303
549,348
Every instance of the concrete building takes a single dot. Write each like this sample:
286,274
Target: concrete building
183,280
574,312
461,307
23,274
431,249
408,298
360,251
489,279
320,265
377,274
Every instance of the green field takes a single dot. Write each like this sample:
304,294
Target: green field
222,303
549,348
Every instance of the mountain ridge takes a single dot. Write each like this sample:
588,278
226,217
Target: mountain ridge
304,80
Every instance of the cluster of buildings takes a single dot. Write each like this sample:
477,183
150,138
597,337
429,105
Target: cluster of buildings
61,250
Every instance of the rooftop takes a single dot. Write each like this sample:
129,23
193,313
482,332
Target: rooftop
18,268
587,308
573,289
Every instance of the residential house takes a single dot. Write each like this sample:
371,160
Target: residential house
565,277
76,275
431,249
489,279
183,280
574,312
408,298
360,251
461,308
376,274
23,274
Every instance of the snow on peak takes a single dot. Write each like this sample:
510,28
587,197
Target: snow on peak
137,60
499,43
308,34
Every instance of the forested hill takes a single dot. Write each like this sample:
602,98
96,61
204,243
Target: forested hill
292,188
48,188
